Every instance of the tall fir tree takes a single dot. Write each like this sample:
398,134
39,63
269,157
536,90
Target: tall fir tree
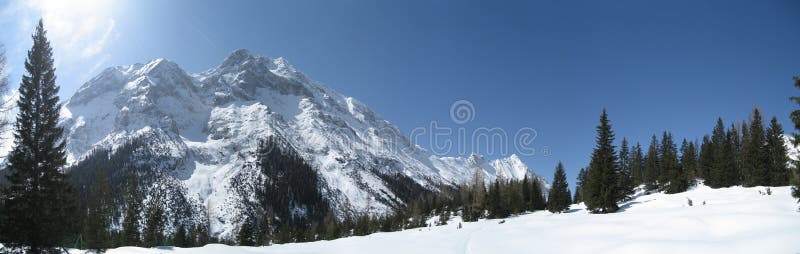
154,227
706,159
651,165
719,153
731,172
637,165
778,159
745,164
672,178
99,215
133,209
579,186
689,162
37,200
601,191
537,197
558,200
795,116
625,175
757,157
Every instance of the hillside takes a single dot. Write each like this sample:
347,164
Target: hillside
732,220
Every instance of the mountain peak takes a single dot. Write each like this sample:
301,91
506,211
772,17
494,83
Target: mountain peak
237,57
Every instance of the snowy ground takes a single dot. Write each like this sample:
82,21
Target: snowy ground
733,220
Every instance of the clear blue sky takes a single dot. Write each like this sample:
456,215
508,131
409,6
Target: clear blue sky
547,65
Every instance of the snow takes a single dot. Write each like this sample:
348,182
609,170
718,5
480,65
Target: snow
732,220
208,123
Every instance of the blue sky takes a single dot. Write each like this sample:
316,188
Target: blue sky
547,65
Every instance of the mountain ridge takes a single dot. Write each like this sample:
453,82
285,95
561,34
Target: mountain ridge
205,125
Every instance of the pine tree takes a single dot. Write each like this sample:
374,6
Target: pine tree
579,186
637,165
99,216
778,159
154,227
179,238
558,199
537,197
689,161
246,232
651,170
625,174
672,177
795,116
719,153
757,158
37,199
745,164
601,191
133,209
706,159
732,173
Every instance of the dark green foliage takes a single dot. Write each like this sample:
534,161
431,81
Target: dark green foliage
179,239
601,192
99,215
38,202
706,159
688,161
154,227
289,182
246,235
757,158
651,165
722,169
133,209
558,200
777,167
625,174
795,116
637,165
673,179
579,186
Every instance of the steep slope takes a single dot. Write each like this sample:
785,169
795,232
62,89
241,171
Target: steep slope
205,126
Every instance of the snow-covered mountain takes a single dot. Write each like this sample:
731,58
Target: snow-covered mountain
205,127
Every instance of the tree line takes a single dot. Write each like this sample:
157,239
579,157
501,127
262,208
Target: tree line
748,153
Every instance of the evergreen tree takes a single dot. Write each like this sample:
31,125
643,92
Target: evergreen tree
537,197
637,165
133,209
579,186
706,159
99,215
795,116
734,176
154,227
672,177
731,173
778,159
745,162
558,199
601,192
625,174
719,153
37,199
757,157
179,238
651,165
689,161
246,233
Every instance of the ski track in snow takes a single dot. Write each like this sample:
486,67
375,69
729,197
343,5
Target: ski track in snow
733,220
